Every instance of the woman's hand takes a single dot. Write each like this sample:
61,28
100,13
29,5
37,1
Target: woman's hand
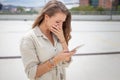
57,30
62,56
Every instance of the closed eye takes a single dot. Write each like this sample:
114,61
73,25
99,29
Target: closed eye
57,22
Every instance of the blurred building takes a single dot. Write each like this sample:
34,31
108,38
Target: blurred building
1,6
107,4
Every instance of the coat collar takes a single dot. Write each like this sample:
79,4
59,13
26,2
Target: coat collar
39,33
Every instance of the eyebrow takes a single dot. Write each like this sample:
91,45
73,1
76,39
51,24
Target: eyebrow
61,20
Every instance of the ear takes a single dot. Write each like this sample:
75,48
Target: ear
46,17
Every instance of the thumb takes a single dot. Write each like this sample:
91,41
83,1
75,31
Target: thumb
72,52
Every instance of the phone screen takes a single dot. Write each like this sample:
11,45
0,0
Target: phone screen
76,48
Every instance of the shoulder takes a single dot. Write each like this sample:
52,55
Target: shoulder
28,34
27,40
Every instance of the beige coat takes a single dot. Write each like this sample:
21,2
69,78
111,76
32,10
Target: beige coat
36,49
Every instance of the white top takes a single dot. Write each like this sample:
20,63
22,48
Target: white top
35,49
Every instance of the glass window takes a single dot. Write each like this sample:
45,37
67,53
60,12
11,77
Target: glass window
94,2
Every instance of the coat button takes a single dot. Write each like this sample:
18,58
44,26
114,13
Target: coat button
55,49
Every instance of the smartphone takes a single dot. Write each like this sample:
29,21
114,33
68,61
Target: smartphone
76,48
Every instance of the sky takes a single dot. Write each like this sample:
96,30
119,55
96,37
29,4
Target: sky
31,3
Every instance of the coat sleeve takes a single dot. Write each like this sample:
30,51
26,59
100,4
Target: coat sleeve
29,57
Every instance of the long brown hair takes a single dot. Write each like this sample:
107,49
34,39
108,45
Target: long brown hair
50,9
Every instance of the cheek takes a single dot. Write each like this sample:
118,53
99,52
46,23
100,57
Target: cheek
51,23
48,24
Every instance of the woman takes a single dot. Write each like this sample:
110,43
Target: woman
44,49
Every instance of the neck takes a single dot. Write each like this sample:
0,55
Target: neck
44,29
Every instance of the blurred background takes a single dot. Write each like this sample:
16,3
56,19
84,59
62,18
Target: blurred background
95,23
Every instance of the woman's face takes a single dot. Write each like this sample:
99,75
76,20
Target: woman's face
56,20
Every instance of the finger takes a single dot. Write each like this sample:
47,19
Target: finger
60,27
72,52
56,28
66,51
67,55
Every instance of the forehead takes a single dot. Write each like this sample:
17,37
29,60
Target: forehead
59,16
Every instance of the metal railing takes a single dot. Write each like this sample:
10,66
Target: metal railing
95,12
79,54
